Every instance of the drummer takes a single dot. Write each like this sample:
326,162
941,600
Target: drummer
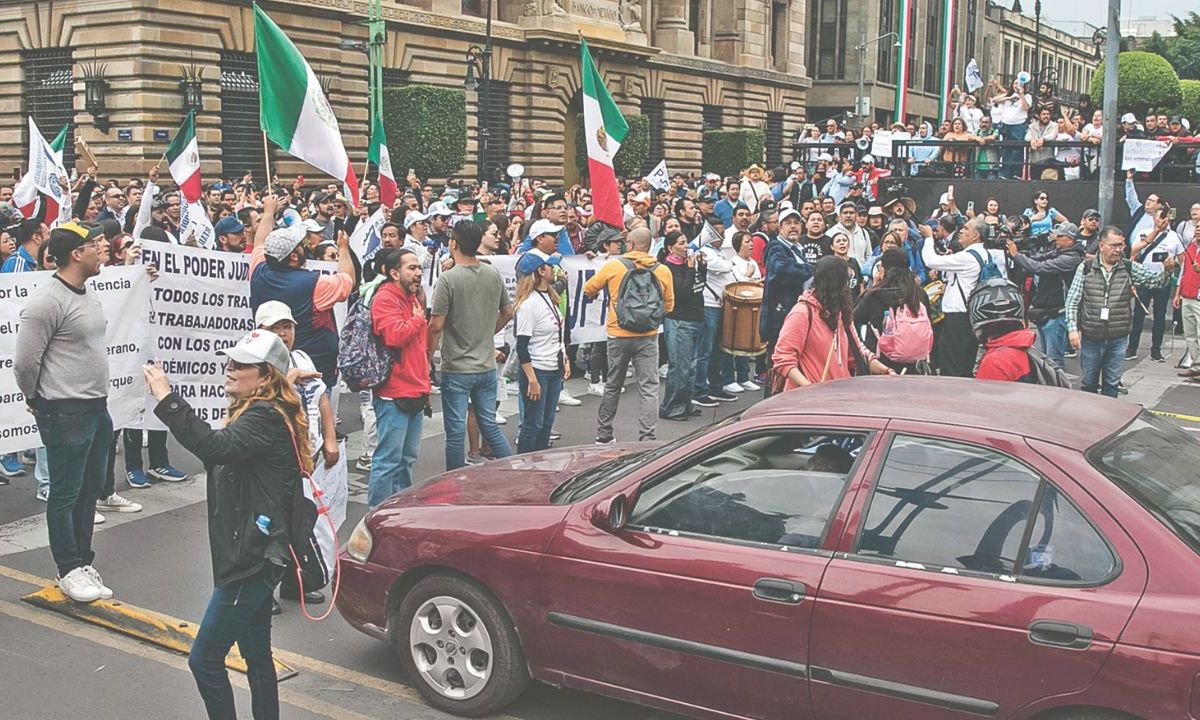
745,269
714,367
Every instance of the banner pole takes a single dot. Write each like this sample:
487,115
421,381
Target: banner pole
266,160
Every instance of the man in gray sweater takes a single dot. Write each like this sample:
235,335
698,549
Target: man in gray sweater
61,366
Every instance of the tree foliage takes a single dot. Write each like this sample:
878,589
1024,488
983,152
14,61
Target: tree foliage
1145,81
426,128
1190,107
1182,49
728,152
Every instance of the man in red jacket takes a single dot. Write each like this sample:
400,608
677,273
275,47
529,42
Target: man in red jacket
1006,357
398,318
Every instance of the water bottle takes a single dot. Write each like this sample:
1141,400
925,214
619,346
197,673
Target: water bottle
264,524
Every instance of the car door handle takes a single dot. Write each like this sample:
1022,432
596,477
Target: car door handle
775,590
1056,633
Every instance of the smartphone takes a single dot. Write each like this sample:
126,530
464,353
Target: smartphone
971,206
1171,214
1159,256
338,224
300,179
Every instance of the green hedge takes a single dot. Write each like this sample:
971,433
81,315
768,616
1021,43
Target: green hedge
632,156
426,128
1190,107
1145,81
728,152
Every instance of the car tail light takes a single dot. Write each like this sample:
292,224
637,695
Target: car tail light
360,543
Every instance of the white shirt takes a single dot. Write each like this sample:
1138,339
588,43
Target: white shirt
538,317
310,392
963,271
1172,245
745,269
1010,111
971,116
720,274
860,241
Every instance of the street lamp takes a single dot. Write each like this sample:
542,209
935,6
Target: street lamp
95,89
191,89
860,103
479,75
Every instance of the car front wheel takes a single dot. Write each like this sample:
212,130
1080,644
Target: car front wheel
459,646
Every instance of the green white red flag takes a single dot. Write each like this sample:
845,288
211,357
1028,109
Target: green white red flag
45,166
183,159
604,129
293,111
378,154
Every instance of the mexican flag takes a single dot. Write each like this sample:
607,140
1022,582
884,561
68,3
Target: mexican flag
378,154
293,111
183,156
605,129
44,155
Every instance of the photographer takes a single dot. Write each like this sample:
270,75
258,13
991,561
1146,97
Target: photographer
1054,270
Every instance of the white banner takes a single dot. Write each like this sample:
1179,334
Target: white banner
585,316
200,304
1143,155
881,144
124,294
194,222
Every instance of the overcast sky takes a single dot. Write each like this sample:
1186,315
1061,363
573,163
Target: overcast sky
1092,11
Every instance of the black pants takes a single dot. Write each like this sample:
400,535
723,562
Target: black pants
958,346
1155,300
131,440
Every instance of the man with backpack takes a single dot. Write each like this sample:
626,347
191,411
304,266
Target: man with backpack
1099,310
1054,271
997,311
957,345
640,294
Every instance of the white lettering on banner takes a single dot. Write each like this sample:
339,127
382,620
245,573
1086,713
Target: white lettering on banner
1143,155
199,305
585,317
121,290
881,144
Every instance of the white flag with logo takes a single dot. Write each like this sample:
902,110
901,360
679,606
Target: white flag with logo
194,223
974,77
45,167
659,177
365,241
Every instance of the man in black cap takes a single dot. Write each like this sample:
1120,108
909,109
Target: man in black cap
1089,232
1055,269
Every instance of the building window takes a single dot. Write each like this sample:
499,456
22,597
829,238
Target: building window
654,110
472,7
774,139
241,135
972,20
396,78
695,24
827,38
499,124
886,52
49,98
1007,67
712,117
933,45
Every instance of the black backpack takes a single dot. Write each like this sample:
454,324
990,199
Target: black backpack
1043,371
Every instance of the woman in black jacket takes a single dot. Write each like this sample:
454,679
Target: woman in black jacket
254,465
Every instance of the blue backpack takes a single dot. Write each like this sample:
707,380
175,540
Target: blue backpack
364,360
987,270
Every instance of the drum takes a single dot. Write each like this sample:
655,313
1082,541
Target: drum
740,311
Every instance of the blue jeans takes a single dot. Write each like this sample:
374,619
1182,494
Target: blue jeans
1052,339
77,448
714,368
683,337
1102,360
398,441
480,389
238,612
1012,158
537,416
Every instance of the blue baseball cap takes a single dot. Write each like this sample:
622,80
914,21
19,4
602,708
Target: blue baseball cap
228,225
531,261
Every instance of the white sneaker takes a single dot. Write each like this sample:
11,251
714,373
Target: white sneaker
364,463
751,386
43,495
565,398
106,592
116,503
78,586
733,388
97,520
662,370
501,420
596,389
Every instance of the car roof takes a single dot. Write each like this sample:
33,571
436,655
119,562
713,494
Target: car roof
1065,417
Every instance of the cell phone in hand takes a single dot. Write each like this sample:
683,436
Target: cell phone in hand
1159,256
971,206
338,224
1171,214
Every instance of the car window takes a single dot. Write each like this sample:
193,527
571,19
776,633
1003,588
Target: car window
1155,462
779,488
950,505
1064,546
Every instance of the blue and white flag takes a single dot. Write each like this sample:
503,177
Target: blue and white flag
974,78
367,237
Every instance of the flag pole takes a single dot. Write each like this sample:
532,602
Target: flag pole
266,160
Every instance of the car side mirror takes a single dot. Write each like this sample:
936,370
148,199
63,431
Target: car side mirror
611,516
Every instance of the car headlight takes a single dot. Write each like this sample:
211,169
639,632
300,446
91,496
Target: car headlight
359,546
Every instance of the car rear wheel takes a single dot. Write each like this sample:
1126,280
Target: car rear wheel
459,646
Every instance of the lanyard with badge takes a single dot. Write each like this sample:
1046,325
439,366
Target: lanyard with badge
558,321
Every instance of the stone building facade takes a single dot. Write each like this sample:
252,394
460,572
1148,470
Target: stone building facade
688,65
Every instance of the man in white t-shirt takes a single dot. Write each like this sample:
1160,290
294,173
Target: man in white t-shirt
860,239
1151,249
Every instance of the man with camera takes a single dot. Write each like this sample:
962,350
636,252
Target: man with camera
1152,249
1053,271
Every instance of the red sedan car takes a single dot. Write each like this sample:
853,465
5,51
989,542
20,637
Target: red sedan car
870,548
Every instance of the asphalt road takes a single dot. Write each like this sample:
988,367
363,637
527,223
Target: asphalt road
55,666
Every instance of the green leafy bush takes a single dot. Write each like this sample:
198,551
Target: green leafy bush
1190,107
728,152
634,152
426,128
1145,81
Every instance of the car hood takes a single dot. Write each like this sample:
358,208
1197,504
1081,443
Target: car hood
517,480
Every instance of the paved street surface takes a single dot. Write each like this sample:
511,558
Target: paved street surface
158,559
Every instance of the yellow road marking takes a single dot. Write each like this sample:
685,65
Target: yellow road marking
1177,416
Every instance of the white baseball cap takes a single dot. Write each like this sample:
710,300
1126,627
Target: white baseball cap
439,208
271,312
1128,118
869,159
260,346
544,227
712,176
413,218
312,226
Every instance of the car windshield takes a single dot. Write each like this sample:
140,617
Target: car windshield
591,481
1155,462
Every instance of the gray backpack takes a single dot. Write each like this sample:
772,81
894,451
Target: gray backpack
640,306
1043,371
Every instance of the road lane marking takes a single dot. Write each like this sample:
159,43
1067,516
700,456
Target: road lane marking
1176,416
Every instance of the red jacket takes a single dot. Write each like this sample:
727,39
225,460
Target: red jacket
1189,278
401,325
1005,357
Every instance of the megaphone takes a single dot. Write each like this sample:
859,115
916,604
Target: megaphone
515,171
1024,77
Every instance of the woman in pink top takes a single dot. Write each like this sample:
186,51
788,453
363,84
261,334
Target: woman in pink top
817,342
